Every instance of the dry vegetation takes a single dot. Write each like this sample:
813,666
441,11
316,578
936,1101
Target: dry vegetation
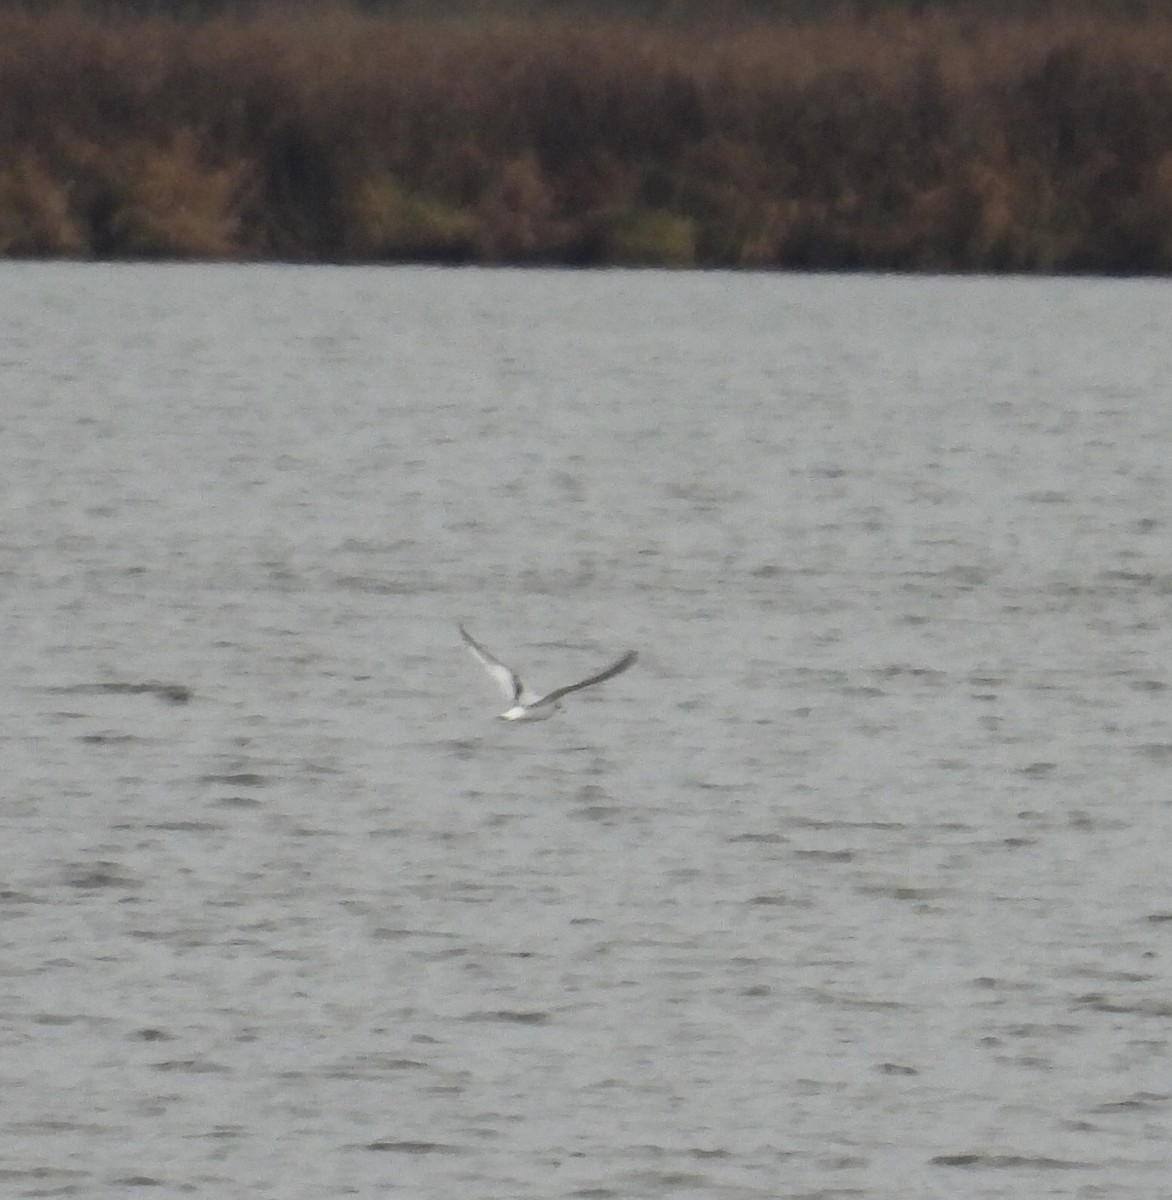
945,141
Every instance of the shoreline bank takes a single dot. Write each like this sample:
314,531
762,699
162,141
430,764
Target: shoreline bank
937,142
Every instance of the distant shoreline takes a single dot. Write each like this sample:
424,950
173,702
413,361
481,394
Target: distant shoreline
941,142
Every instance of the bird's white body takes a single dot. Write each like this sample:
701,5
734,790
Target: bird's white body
526,706
526,712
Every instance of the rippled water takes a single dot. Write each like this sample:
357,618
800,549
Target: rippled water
856,886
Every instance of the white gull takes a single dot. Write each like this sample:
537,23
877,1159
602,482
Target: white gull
524,705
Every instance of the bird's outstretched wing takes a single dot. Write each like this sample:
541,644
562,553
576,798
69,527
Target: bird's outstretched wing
615,668
506,679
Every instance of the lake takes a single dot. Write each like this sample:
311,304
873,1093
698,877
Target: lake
856,885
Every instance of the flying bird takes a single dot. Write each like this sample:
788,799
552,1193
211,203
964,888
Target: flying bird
524,706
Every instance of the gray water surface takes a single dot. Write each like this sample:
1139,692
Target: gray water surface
855,886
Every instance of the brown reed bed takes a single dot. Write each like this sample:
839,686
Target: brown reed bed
945,140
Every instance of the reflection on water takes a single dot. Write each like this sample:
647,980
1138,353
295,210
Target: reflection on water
854,886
